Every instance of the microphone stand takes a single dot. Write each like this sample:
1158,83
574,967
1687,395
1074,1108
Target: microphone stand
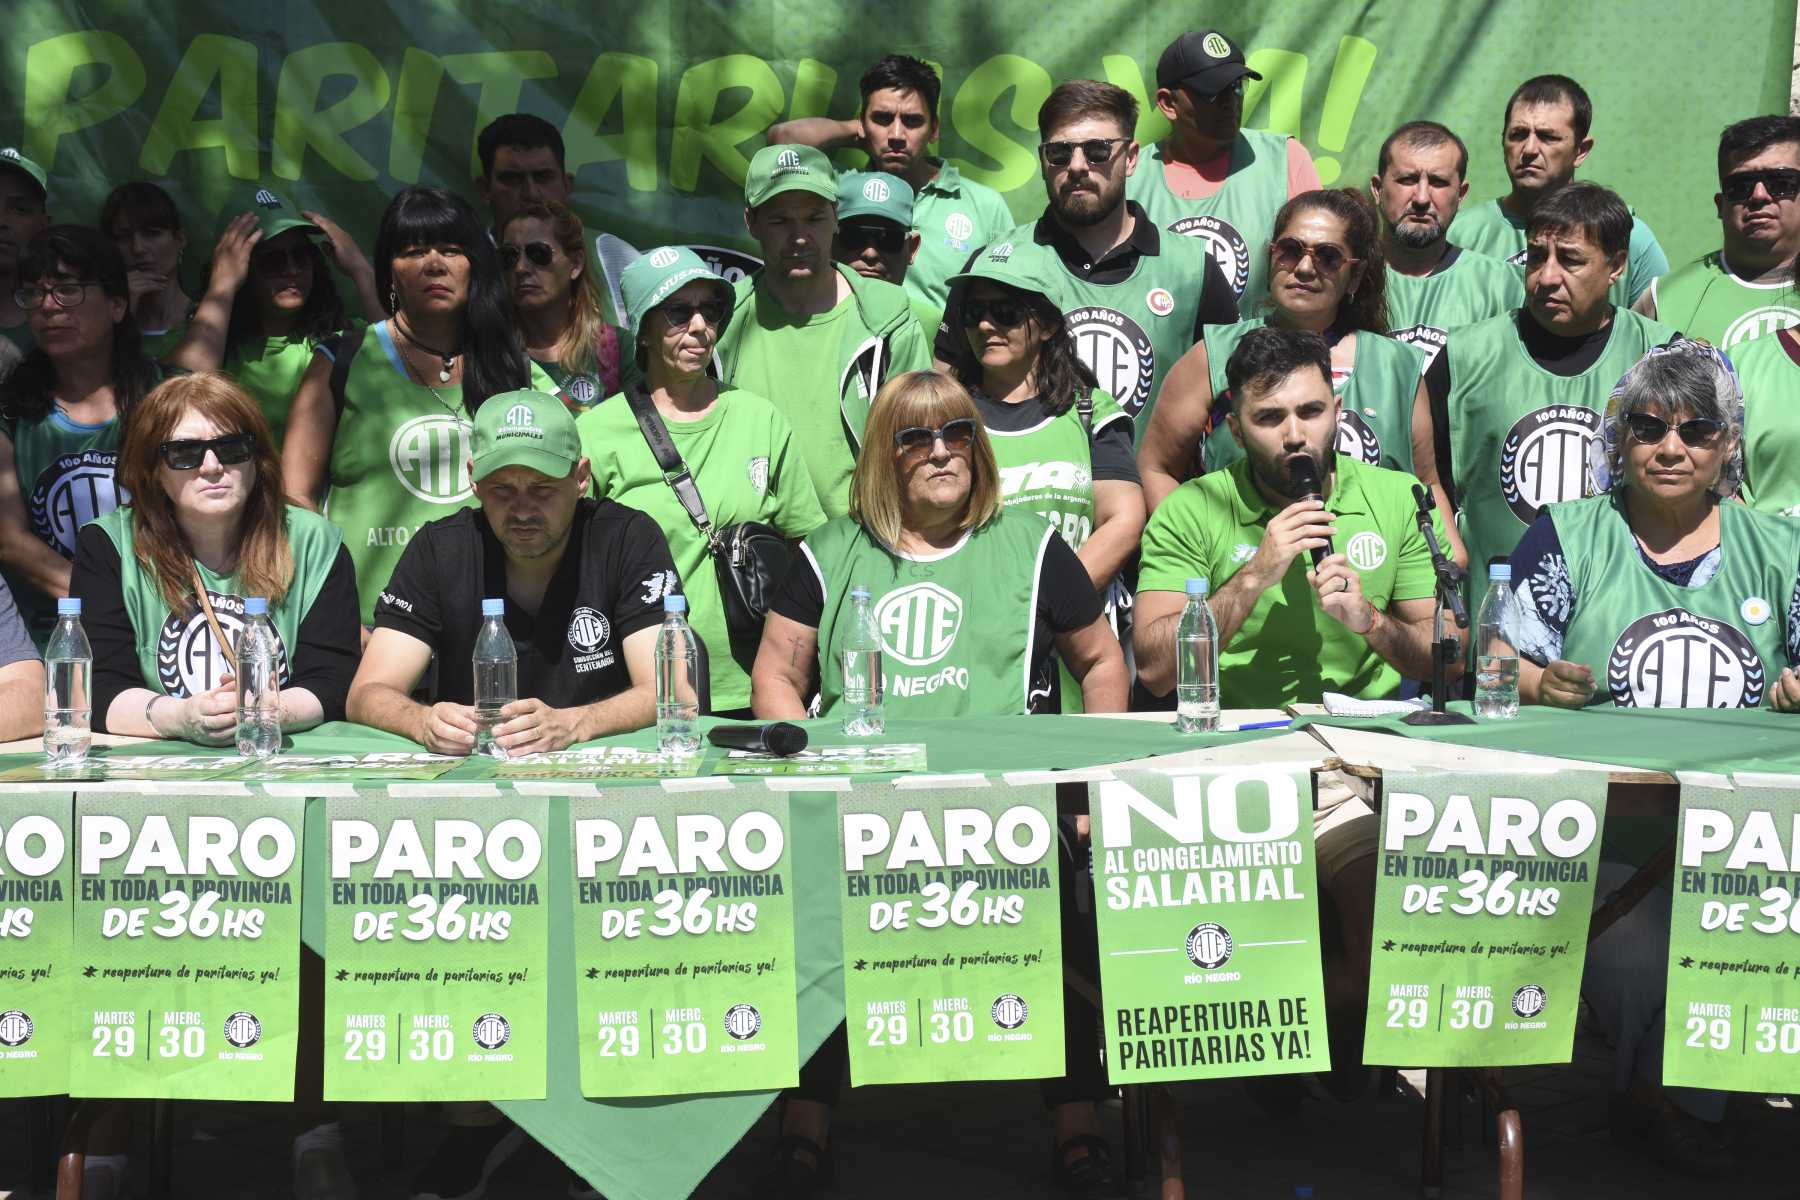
1445,648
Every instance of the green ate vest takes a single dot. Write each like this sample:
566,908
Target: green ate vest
955,630
1771,381
1423,309
1519,435
1705,299
1237,222
270,370
1653,644
66,479
1049,468
177,653
1376,409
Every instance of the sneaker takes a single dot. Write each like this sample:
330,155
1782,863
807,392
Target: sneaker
581,1189
466,1160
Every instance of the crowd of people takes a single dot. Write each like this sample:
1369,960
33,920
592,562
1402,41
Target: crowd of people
1018,442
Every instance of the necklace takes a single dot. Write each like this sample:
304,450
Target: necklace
449,357
443,376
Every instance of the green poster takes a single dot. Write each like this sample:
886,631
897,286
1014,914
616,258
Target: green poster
35,965
435,957
1482,903
1208,920
599,762
952,932
684,941
349,768
1732,1019
898,759
187,937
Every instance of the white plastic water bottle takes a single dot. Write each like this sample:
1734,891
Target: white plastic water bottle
863,692
496,675
677,687
68,704
1196,664
1496,675
258,683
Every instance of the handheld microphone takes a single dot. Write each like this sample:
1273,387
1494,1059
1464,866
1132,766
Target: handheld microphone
1303,478
780,738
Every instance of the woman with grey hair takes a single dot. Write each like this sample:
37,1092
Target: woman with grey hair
1661,591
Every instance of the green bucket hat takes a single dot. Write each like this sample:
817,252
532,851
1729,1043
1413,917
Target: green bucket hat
525,429
778,169
659,274
273,214
875,194
10,157
1023,265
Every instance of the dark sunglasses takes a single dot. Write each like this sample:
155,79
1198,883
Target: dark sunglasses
1327,258
1651,430
957,436
1001,314
887,238
1234,88
185,454
1782,183
66,295
541,254
1097,151
680,314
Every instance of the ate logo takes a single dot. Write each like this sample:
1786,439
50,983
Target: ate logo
919,623
1009,1011
189,659
958,228
1118,351
491,1031
1366,550
243,1030
72,491
430,458
16,1027
1356,438
584,390
1544,459
664,258
757,471
1209,945
788,160
520,414
588,629
743,1022
1224,244
1530,1000
1674,659
1758,323
877,191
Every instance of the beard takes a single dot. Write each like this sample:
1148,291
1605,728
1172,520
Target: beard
1077,210
1276,474
1419,237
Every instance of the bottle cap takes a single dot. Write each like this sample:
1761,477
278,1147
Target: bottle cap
1499,571
494,606
859,591
674,602
256,606
68,606
1197,586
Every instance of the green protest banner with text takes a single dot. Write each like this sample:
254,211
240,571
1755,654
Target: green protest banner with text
1209,920
36,968
684,940
1732,1018
952,932
1483,897
435,944
187,936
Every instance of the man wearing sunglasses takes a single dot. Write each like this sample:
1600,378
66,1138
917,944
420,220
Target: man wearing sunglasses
1212,179
876,238
1742,290
24,210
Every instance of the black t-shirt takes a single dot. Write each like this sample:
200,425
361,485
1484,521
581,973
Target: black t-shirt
1109,449
610,584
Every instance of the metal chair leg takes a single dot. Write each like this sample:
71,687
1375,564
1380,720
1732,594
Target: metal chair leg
1509,1132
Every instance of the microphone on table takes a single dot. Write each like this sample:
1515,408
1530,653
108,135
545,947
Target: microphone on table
1303,484
780,738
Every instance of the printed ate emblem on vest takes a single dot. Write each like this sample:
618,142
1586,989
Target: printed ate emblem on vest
189,659
1118,351
1357,439
1759,322
1545,459
1224,244
430,458
1674,659
72,491
919,623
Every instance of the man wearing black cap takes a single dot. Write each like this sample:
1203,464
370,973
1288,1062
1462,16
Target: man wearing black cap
24,210
1211,179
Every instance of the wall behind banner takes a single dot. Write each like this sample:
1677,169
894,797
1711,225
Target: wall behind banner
339,103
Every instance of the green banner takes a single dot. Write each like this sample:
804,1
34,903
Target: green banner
170,768
823,760
36,975
435,944
1733,1007
187,935
952,932
1482,906
1208,920
684,941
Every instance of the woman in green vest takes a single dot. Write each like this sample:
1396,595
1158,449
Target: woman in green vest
145,224
737,446
556,299
163,580
63,410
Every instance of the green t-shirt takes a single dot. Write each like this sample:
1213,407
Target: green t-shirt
1488,229
1768,369
1424,309
1288,650
954,216
270,370
743,457
160,344
1707,299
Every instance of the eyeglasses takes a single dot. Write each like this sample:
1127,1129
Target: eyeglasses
184,454
957,435
885,237
1097,151
1651,430
1782,183
541,254
66,295
1234,88
680,314
1327,257
1001,314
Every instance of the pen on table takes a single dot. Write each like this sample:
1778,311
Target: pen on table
1281,724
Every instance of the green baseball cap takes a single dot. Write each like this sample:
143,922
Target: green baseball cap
875,194
275,215
778,169
10,157
1023,265
659,274
525,429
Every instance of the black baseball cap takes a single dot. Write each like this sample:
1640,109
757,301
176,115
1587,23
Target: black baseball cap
1204,60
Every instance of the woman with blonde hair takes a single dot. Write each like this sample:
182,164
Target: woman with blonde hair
556,301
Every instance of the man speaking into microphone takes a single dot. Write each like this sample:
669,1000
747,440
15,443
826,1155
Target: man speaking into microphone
1321,579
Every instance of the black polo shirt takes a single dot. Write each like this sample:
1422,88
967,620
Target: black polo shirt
614,573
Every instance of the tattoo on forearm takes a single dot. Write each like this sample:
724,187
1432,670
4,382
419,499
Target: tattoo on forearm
797,652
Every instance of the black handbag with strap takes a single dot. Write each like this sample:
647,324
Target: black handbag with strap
749,558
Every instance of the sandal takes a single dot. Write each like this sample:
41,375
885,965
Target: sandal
798,1167
1087,1177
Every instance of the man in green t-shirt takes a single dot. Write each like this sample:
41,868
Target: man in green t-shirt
1745,288
953,215
1544,139
1355,619
1432,285
24,209
875,236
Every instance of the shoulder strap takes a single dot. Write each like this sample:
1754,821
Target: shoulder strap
1084,409
225,647
348,345
668,460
